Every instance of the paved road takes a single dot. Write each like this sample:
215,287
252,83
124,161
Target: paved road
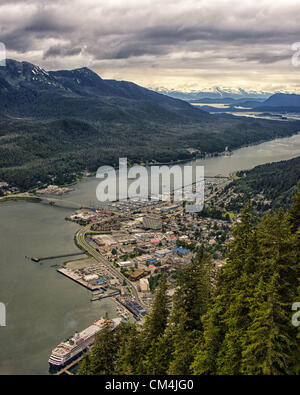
80,238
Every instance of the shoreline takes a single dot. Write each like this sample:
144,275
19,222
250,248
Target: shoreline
16,198
81,177
37,199
195,158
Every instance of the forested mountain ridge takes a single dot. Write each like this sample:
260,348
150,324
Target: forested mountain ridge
28,90
54,125
276,182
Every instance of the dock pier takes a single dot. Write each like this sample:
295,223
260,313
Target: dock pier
66,370
103,296
35,259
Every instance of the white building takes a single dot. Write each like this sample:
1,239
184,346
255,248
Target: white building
125,264
144,285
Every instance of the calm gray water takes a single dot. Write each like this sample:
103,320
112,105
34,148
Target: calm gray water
43,307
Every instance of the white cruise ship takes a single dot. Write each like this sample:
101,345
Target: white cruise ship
71,349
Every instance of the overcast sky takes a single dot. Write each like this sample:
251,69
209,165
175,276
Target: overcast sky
176,44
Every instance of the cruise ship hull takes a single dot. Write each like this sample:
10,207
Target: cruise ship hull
71,349
58,365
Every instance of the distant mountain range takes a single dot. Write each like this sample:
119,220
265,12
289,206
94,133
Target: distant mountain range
55,124
216,93
281,102
235,99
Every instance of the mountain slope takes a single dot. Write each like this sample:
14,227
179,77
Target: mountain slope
283,99
276,181
27,90
280,102
53,125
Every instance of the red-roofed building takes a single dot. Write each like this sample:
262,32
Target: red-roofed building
106,212
155,241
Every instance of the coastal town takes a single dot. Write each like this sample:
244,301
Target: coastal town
133,243
126,246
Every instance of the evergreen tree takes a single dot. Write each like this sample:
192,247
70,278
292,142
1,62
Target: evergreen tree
207,347
271,339
267,347
194,292
158,357
294,213
195,286
219,352
184,341
129,353
154,327
156,322
103,355
84,368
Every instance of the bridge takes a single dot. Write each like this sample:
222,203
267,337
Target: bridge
75,205
61,202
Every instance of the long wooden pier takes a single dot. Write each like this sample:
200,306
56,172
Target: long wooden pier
34,259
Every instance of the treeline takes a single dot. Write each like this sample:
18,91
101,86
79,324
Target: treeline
276,181
236,321
34,152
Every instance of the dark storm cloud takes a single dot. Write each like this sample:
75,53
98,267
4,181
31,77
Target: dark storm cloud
46,22
59,50
268,58
37,25
182,34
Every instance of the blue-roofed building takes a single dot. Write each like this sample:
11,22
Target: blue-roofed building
101,281
181,251
151,260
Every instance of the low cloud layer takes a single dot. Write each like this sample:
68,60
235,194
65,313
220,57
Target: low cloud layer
179,44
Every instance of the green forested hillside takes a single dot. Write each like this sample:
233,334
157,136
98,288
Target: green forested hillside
57,150
54,125
277,182
237,321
